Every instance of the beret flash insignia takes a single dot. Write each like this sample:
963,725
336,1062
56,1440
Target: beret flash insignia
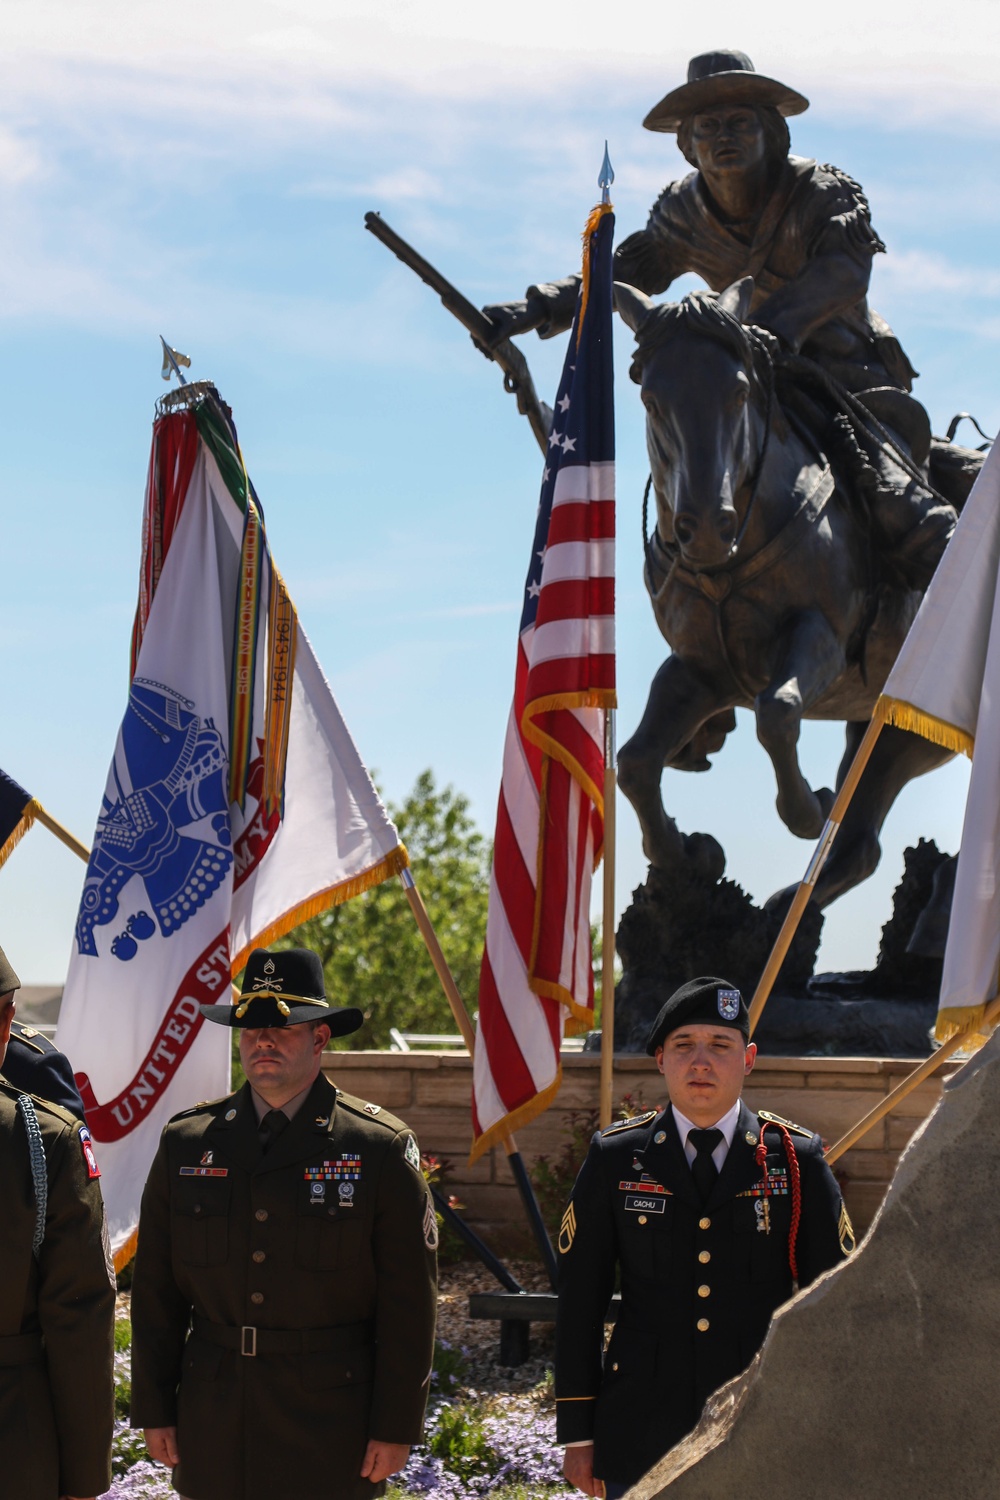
728,1002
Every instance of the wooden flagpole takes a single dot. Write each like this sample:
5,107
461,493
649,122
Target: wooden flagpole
789,926
61,833
458,1010
608,925
912,1080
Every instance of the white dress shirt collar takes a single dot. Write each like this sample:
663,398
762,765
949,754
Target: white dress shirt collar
727,1125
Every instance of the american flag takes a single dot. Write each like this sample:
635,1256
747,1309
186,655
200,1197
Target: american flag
536,971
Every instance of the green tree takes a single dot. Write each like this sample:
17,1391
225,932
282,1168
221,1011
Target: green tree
373,955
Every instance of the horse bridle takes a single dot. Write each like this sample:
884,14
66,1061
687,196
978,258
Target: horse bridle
759,346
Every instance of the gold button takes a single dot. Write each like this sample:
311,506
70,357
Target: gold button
704,1223
256,1297
642,1218
258,1256
702,1325
261,1214
615,1365
704,1256
704,1291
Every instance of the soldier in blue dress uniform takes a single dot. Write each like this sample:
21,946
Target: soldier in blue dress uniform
713,1214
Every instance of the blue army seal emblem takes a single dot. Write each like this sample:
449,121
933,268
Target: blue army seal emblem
728,1002
166,820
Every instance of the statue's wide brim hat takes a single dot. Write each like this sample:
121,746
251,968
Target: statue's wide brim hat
284,988
717,79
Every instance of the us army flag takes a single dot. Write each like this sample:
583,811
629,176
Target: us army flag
946,686
236,805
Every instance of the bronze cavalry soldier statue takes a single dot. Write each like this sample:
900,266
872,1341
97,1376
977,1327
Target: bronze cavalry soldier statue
803,232
57,1297
284,1294
712,1213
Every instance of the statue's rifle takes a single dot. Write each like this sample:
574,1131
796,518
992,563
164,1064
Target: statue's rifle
517,379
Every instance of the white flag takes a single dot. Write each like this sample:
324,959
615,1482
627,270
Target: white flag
945,685
236,806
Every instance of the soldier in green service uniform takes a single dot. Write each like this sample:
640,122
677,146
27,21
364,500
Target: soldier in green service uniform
57,1297
712,1213
284,1290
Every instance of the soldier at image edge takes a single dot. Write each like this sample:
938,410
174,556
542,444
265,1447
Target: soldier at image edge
284,1292
713,1214
57,1296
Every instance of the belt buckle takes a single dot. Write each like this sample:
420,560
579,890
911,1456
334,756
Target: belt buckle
251,1351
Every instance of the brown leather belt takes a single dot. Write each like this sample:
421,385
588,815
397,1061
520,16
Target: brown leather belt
253,1341
21,1349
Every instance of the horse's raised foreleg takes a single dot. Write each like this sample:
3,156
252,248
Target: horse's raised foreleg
810,659
679,702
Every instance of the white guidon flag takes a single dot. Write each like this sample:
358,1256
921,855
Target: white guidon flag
945,685
236,806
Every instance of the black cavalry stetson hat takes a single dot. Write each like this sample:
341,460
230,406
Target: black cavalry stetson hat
722,78
706,1001
284,988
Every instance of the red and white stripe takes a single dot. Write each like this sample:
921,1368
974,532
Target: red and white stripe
537,968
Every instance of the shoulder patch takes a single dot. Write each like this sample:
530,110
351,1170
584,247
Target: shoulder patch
87,1147
642,1119
772,1119
412,1153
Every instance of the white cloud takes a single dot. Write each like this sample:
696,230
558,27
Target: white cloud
20,159
285,58
918,272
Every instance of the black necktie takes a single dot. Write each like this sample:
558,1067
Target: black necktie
703,1168
271,1126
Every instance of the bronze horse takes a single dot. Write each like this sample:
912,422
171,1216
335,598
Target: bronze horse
764,582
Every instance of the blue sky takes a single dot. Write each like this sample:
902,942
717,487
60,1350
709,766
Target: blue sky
203,171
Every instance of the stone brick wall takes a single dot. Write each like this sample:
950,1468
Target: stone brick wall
431,1091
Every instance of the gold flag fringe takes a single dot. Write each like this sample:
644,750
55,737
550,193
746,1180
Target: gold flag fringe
393,864
282,640
126,1252
903,715
27,818
589,230
523,1115
952,1021
592,698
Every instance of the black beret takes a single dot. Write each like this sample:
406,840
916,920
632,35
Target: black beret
707,1001
8,979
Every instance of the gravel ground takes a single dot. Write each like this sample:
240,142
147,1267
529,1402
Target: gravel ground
482,1338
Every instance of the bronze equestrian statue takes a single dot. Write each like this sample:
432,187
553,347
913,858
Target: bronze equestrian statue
801,503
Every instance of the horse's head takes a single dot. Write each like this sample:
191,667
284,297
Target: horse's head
695,364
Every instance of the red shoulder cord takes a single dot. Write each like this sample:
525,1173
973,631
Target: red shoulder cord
760,1156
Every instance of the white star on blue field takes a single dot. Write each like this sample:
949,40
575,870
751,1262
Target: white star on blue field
202,171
